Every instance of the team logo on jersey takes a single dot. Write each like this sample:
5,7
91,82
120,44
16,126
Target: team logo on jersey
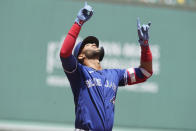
110,85
91,72
93,82
97,82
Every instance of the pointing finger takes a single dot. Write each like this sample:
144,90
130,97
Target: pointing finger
88,7
138,23
85,3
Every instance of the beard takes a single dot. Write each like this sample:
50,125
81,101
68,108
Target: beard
92,54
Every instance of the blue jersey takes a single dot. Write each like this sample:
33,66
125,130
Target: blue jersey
95,92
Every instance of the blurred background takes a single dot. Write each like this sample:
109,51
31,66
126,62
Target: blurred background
35,94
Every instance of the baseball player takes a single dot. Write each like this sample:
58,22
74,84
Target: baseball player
94,89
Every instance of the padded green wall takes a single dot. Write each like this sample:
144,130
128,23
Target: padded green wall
33,86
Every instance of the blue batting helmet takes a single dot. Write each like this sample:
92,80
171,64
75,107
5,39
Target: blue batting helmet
89,39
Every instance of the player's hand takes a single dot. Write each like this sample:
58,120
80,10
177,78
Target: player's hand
143,32
84,14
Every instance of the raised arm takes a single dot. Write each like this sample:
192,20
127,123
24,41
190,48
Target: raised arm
141,74
68,60
83,15
146,55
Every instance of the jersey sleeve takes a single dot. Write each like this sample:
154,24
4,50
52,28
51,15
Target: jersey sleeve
72,70
137,75
132,76
122,76
70,64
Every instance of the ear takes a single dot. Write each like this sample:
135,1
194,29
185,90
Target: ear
81,57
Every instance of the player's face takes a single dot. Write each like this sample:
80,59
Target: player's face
91,51
90,46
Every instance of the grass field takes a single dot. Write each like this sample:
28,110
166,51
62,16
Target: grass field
32,126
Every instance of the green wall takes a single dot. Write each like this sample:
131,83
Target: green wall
33,86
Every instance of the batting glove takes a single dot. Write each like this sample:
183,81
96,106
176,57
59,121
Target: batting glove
84,14
143,33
